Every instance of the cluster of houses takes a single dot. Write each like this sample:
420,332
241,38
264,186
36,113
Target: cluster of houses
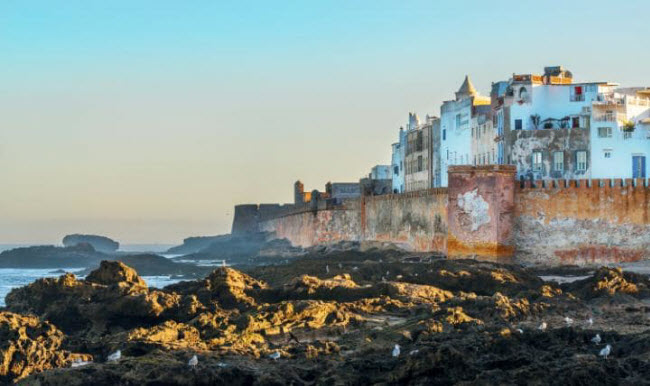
547,125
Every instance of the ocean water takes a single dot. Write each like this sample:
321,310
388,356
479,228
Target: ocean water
11,278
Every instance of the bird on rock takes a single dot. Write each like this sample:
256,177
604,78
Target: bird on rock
114,357
606,351
275,356
396,351
568,321
542,327
327,268
193,362
596,339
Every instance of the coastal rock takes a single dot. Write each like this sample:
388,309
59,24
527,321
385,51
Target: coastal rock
28,345
112,297
99,243
225,286
609,282
114,272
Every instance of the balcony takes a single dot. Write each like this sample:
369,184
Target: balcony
609,117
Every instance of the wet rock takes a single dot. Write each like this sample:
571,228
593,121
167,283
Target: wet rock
610,282
28,345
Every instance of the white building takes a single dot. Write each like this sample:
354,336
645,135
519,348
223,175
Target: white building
397,162
455,125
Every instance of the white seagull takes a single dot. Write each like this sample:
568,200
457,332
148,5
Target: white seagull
542,327
568,321
606,351
340,266
275,356
327,268
396,351
519,330
193,362
413,352
590,322
115,356
596,339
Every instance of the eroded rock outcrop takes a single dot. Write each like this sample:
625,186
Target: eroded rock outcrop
28,345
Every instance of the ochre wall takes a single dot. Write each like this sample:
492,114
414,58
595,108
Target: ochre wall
416,220
579,223
576,223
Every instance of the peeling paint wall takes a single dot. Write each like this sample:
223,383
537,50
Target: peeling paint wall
583,224
415,220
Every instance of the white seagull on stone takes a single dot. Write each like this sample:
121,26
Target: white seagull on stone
193,362
590,322
340,266
327,268
542,327
396,351
606,351
413,352
596,339
519,330
115,356
568,321
275,356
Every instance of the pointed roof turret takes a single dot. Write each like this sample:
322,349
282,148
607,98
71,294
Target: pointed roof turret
466,89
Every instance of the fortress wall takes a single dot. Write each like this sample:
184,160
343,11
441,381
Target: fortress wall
485,214
307,228
582,222
416,220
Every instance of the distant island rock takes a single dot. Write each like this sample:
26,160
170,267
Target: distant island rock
100,243
49,256
194,244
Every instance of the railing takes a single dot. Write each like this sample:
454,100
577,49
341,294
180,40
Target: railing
609,117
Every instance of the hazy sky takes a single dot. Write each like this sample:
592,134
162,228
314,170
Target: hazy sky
148,120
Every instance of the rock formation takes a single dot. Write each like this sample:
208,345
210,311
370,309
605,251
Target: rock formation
100,243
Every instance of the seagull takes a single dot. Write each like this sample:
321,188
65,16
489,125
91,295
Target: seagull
383,279
340,266
396,351
355,269
568,321
590,321
193,362
606,351
387,273
519,330
542,327
80,362
398,277
114,357
275,356
596,339
223,263
413,352
327,268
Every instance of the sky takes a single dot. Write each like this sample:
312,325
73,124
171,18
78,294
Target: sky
147,121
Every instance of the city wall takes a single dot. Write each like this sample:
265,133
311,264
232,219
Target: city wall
485,213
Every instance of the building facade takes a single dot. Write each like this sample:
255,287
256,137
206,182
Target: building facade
397,162
419,154
455,124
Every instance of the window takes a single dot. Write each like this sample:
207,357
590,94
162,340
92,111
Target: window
537,161
605,132
575,122
627,135
518,124
558,161
581,160
607,153
444,135
419,163
457,121
396,170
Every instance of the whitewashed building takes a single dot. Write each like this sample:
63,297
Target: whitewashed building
455,126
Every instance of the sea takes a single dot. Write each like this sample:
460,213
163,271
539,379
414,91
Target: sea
11,278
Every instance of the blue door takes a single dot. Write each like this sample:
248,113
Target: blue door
638,166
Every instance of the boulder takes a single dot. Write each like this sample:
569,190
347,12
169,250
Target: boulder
114,272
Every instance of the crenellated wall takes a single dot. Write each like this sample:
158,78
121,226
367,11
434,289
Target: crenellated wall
582,222
486,214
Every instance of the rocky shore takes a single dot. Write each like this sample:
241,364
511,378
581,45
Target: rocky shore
341,317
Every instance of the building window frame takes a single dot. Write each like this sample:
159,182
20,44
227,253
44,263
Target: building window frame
558,161
581,160
605,132
538,161
519,124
